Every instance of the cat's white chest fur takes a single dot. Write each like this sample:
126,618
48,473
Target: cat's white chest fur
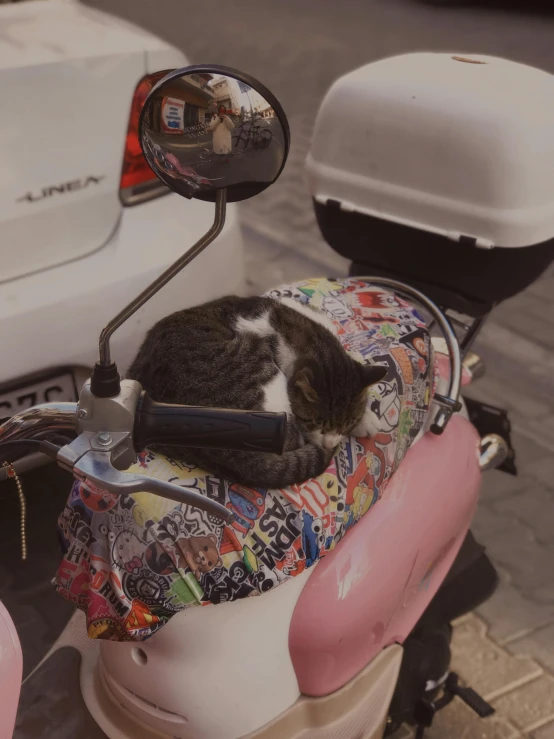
276,395
286,356
261,326
276,391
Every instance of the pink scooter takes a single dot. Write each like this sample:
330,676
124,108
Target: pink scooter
351,635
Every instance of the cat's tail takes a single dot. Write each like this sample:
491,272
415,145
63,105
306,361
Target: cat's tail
264,470
276,471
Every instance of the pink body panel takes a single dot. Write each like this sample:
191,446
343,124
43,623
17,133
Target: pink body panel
11,670
371,590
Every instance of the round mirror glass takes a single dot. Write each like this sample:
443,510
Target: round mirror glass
206,128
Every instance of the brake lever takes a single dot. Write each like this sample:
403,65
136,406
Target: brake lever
96,467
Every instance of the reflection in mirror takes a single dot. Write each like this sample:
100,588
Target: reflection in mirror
203,130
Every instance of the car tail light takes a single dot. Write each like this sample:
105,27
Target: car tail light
138,181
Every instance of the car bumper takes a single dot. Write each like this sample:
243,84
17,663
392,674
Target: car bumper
54,318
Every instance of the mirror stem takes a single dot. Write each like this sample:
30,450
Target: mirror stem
163,279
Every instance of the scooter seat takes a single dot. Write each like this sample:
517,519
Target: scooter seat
132,562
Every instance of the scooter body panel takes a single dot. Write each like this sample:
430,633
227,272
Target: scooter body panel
219,672
11,670
372,589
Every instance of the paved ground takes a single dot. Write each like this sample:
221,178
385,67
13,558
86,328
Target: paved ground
506,650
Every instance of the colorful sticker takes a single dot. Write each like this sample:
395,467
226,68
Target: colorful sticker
132,562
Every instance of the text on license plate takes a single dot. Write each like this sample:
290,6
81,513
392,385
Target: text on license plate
56,389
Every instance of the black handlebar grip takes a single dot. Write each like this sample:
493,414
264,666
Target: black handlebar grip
215,428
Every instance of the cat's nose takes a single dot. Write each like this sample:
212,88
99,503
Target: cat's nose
330,441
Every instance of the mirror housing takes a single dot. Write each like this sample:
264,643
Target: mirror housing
204,128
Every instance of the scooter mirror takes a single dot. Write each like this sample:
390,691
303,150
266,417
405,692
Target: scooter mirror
205,128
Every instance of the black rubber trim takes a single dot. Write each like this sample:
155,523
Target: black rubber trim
161,424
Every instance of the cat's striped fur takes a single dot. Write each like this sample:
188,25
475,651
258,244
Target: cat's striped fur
258,354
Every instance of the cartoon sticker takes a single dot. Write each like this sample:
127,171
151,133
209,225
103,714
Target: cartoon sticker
131,562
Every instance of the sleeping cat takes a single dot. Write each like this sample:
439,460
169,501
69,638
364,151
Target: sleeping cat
259,354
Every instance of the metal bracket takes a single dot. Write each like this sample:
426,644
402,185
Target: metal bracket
104,450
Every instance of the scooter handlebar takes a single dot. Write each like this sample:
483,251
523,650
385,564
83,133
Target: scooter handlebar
215,428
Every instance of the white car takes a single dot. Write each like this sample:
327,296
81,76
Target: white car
84,223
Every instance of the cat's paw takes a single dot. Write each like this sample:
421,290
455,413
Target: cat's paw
295,438
368,426
329,442
315,459
324,456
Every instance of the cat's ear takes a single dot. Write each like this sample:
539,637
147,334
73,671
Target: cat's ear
303,380
373,373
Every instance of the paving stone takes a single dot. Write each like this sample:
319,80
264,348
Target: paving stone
498,484
532,326
496,389
457,721
404,732
528,562
270,264
526,302
39,617
487,668
32,633
543,288
545,431
539,645
543,470
545,732
509,614
541,433
51,703
534,506
545,594
512,380
511,353
487,521
530,706
528,452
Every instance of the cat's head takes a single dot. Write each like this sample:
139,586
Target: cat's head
328,398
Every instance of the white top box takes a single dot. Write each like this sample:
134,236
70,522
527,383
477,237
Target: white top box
452,144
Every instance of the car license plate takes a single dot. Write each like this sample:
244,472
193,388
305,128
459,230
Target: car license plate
53,389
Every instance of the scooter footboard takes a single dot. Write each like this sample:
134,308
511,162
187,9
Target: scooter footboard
215,673
360,708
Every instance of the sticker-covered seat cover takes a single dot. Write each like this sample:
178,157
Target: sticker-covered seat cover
131,562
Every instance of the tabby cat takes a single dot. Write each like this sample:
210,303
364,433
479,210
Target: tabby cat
262,354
